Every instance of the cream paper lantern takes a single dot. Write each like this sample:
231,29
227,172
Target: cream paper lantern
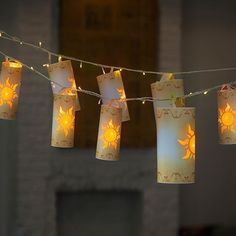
10,82
168,89
111,87
63,121
108,143
175,145
62,73
227,115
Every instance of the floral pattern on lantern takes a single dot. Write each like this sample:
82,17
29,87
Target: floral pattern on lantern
175,145
108,143
167,89
10,81
63,121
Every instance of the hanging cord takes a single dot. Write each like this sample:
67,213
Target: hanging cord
9,37
99,96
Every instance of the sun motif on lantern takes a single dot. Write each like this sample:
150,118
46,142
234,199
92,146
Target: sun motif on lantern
227,119
110,135
66,120
189,144
7,93
71,90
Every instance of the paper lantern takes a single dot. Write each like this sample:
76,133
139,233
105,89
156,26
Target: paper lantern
62,73
111,87
227,115
175,145
167,88
108,143
63,121
10,81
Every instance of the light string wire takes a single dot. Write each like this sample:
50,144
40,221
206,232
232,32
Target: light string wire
9,37
94,94
80,90
91,93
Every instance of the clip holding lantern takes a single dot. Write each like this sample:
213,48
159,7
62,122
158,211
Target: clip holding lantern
111,88
175,145
63,121
10,82
227,115
108,143
62,73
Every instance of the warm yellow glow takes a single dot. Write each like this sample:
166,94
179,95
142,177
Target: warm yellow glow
66,120
72,89
14,64
110,135
189,144
7,93
121,92
227,119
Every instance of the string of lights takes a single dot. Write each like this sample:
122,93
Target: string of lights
100,97
9,37
6,36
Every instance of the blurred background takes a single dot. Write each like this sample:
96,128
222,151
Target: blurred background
46,191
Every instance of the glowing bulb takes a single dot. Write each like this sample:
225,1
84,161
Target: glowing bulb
0,34
21,43
32,68
40,44
59,58
205,92
143,102
81,65
144,73
120,70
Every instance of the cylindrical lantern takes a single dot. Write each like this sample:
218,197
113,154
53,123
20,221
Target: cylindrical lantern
111,87
62,73
175,145
167,89
108,143
10,81
63,121
227,116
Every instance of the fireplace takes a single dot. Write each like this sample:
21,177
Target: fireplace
94,213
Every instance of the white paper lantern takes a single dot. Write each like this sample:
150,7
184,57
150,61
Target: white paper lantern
10,82
62,73
63,121
167,89
108,143
175,145
111,87
227,115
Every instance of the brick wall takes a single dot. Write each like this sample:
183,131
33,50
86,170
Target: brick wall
43,170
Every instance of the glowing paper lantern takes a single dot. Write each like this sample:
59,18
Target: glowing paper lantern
111,87
227,115
175,145
108,144
63,121
62,73
167,88
10,81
